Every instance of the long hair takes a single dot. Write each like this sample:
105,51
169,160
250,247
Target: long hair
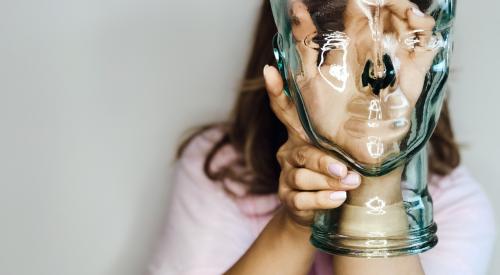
256,133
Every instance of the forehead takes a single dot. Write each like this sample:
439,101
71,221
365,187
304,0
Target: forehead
333,13
423,5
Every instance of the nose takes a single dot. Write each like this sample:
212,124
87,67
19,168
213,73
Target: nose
376,80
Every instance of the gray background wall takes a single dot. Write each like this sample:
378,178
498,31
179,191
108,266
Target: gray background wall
95,95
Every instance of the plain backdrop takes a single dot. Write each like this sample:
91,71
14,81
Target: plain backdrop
95,95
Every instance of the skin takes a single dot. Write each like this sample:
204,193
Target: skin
307,184
366,125
283,246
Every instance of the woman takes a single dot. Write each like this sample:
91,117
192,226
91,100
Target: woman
239,206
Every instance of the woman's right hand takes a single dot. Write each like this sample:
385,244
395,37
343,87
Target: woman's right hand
310,179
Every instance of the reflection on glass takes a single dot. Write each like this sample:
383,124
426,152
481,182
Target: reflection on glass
367,79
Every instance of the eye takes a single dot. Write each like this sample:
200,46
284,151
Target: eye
420,40
327,41
310,41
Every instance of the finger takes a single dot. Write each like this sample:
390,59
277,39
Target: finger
274,85
416,31
310,157
422,26
302,179
300,201
303,29
417,38
413,17
279,101
399,7
417,20
281,104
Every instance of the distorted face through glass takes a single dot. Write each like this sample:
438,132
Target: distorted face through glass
366,76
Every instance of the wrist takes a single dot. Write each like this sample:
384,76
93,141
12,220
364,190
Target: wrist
296,234
291,227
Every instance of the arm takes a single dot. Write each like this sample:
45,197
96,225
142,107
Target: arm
309,180
205,231
286,112
281,248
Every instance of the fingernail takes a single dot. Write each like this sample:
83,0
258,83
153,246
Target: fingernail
265,68
338,196
352,179
336,169
417,12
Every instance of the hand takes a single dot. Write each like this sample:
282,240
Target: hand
417,52
310,179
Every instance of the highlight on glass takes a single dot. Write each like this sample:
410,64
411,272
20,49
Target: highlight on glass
368,80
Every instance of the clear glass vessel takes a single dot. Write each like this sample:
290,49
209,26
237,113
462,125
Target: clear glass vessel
367,78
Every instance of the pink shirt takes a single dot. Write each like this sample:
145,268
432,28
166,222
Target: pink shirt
207,231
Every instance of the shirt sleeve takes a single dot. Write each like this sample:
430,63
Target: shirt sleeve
205,232
466,228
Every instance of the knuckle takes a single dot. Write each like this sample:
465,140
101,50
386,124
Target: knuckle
282,195
281,150
323,162
319,202
283,188
280,155
332,182
283,182
300,155
297,202
298,176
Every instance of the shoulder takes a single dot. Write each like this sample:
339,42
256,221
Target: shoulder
466,226
189,168
193,158
192,162
205,231
460,191
202,142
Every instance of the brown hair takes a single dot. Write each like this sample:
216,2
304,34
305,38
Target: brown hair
256,134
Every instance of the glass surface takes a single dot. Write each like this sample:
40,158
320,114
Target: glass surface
367,78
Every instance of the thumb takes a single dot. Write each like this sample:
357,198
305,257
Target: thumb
281,104
274,83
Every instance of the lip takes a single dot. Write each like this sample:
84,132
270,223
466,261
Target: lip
368,117
359,107
390,129
391,107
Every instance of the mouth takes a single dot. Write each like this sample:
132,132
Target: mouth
387,118
387,130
